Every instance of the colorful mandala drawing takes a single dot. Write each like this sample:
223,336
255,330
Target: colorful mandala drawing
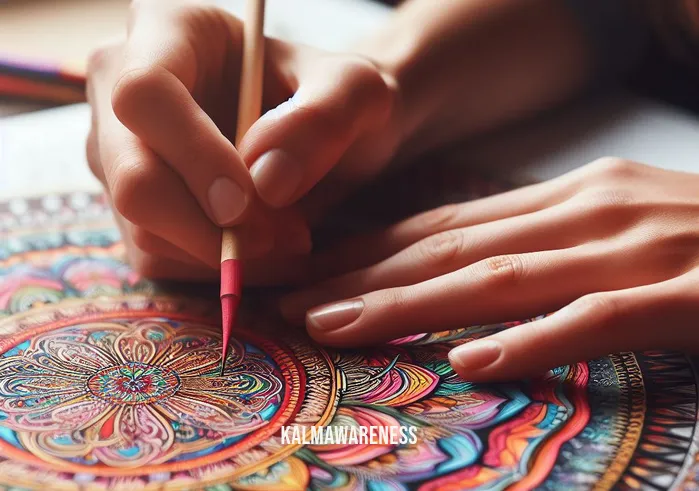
110,382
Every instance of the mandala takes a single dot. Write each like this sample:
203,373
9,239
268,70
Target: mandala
104,387
108,381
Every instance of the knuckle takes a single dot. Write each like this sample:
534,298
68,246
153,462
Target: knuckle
363,73
133,85
439,218
441,249
614,167
373,89
395,298
602,309
131,183
604,199
505,270
367,89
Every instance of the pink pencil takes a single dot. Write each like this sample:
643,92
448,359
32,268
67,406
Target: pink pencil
249,108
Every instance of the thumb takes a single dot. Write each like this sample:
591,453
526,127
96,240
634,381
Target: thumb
295,145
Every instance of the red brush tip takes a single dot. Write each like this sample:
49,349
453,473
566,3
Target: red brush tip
231,288
229,311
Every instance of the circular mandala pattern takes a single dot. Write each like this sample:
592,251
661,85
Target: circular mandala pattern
125,393
114,391
133,383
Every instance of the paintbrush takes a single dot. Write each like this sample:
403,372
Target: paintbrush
249,108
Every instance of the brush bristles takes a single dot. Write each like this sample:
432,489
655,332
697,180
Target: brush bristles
229,311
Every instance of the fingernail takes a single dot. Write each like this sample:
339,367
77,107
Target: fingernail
475,354
227,200
277,176
336,315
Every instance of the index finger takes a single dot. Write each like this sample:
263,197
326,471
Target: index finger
154,97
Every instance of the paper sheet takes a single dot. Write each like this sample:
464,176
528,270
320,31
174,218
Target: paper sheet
110,381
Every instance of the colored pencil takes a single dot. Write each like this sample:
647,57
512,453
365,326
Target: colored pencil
249,108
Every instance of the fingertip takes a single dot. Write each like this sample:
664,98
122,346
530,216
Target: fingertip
470,359
228,201
275,173
156,106
134,88
294,146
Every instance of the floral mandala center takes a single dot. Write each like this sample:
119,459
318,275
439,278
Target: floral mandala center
134,383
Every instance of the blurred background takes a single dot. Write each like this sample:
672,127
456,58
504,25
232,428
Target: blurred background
44,44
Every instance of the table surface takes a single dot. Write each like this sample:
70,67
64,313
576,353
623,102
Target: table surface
43,152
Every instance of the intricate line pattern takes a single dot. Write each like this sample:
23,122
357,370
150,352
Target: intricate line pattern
107,382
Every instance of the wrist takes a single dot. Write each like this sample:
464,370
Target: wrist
468,67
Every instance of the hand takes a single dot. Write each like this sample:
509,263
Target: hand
614,245
164,108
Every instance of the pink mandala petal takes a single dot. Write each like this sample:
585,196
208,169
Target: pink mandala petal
362,420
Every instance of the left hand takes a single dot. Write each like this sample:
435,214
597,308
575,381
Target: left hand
614,245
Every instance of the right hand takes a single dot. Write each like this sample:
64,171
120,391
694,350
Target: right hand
164,106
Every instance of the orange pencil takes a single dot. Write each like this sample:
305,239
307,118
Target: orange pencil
249,108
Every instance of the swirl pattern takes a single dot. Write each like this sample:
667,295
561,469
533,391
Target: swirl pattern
108,381
128,393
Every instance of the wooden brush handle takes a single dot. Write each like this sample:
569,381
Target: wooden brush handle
249,97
